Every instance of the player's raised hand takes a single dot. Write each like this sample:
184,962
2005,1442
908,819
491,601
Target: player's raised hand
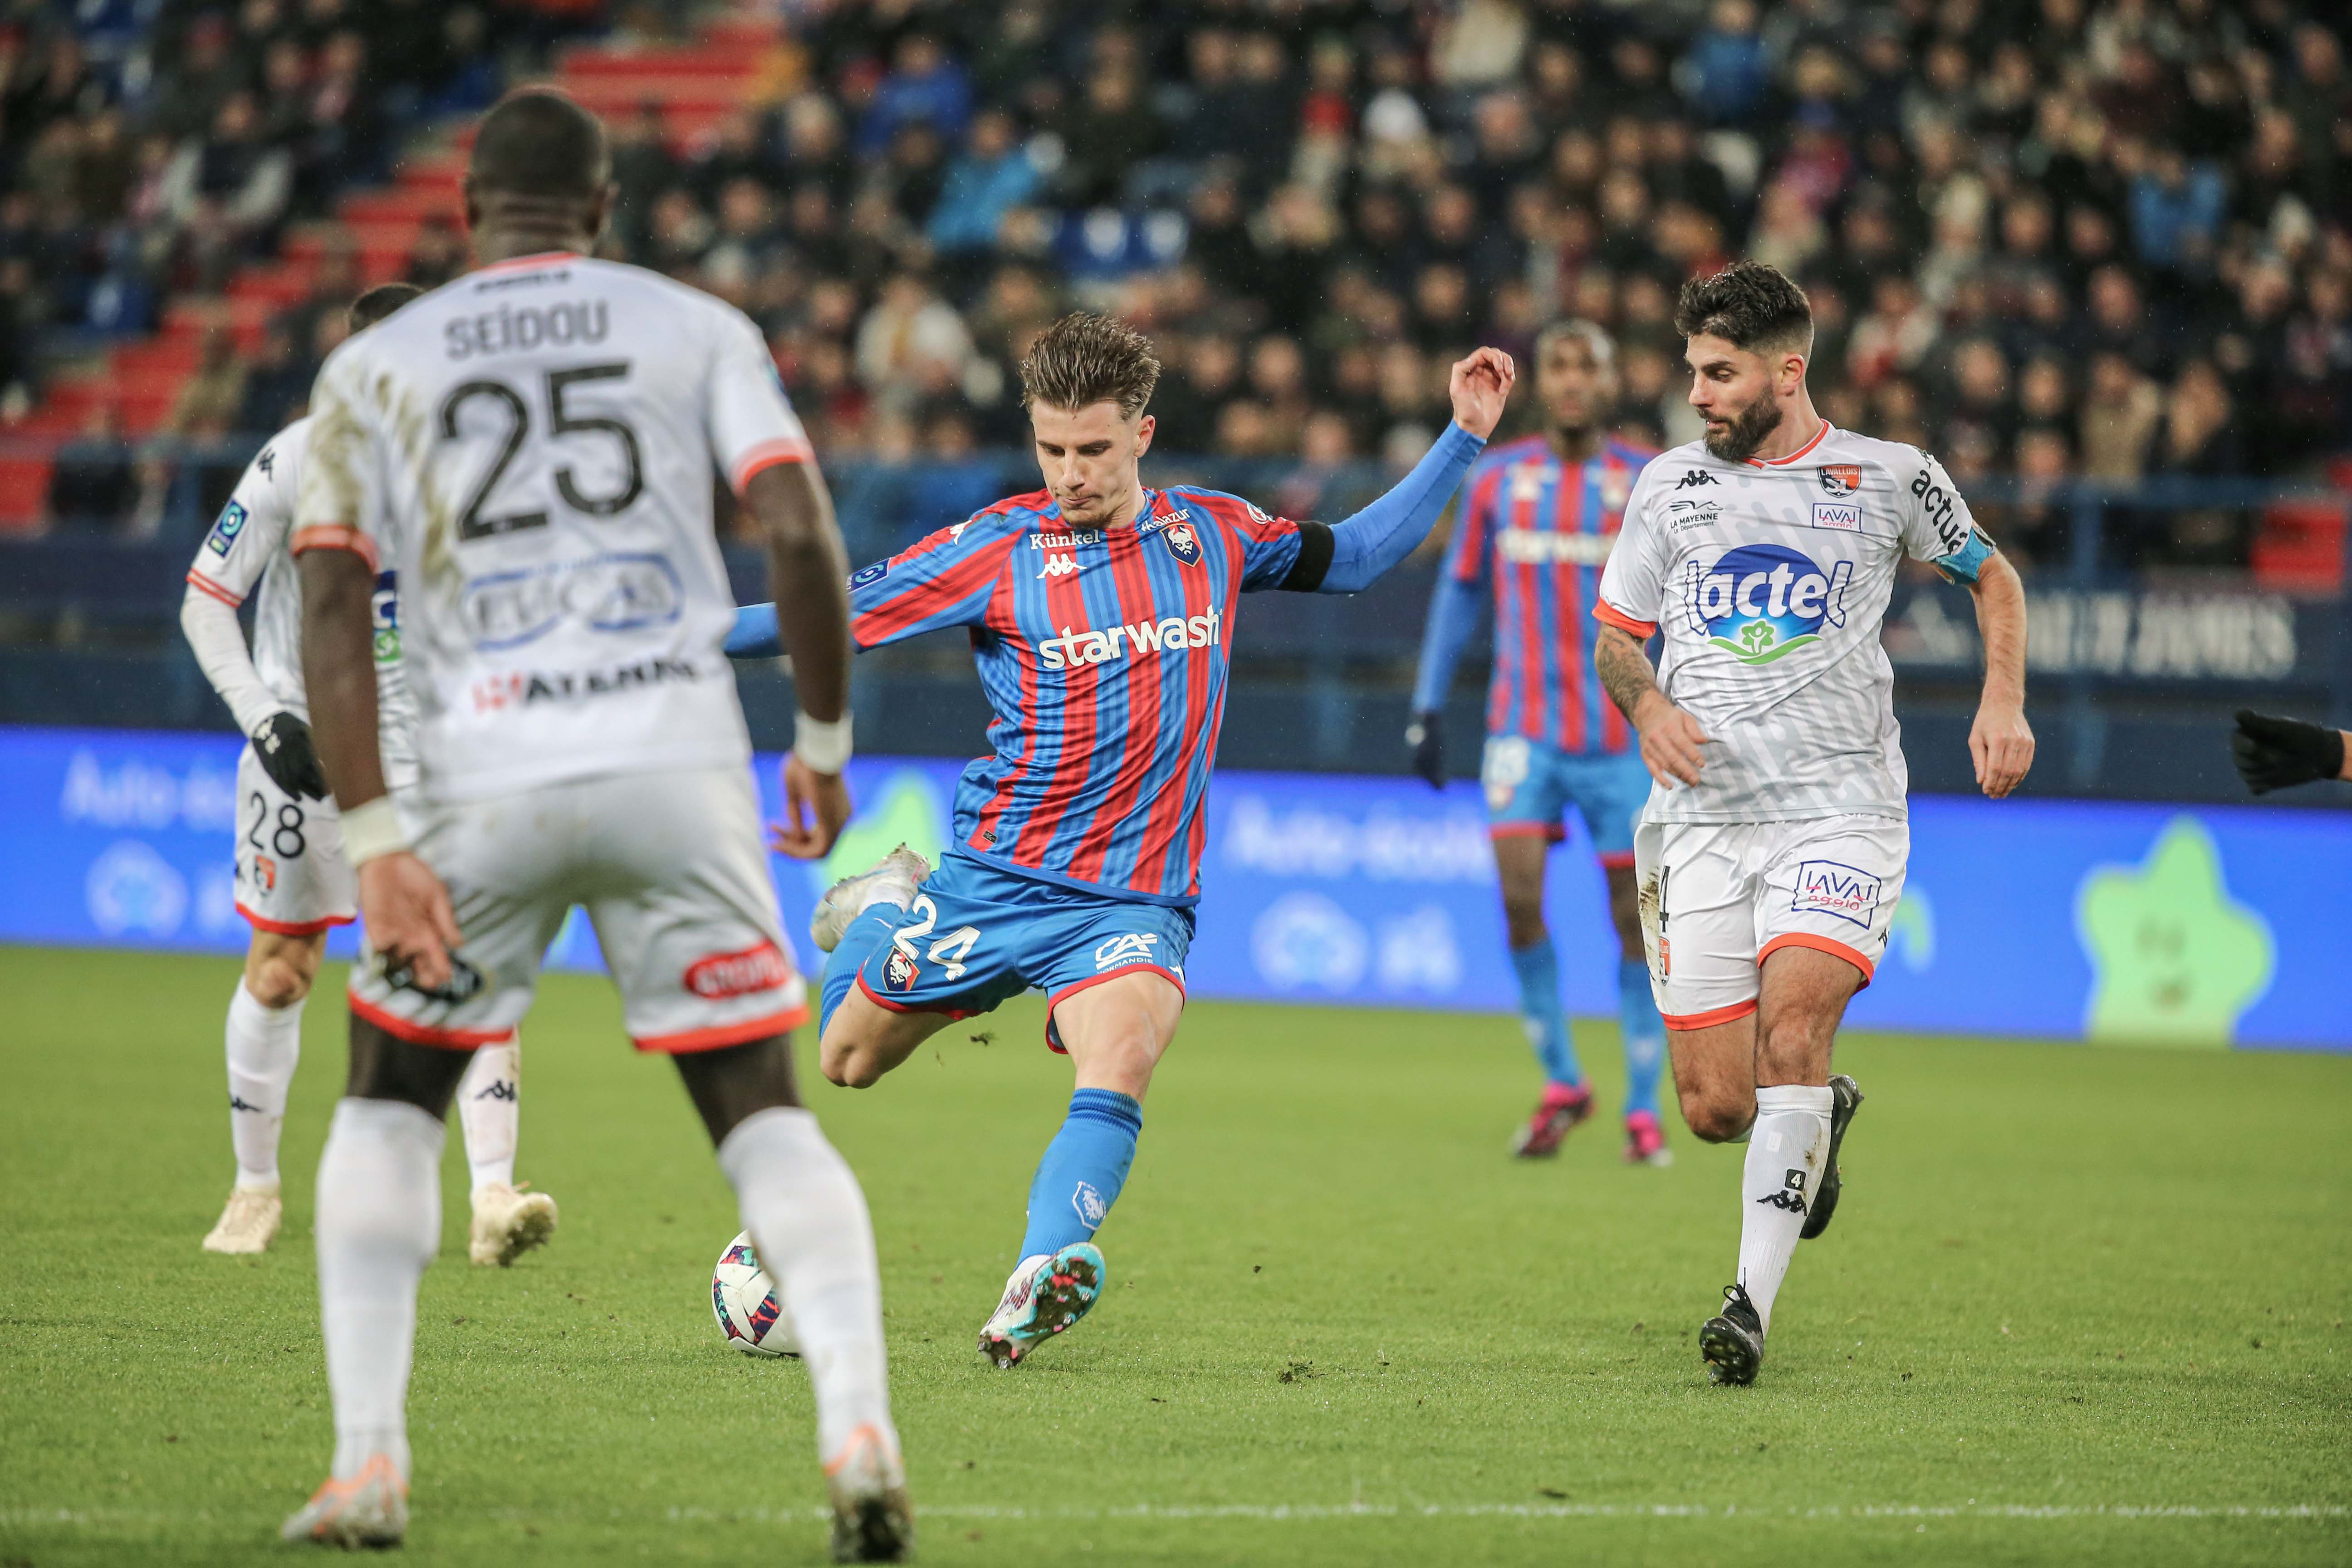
816,806
1479,386
2001,743
1671,742
410,923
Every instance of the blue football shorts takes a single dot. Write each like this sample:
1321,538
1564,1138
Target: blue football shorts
977,935
1530,785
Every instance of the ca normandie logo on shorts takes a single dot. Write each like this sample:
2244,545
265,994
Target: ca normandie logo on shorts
724,974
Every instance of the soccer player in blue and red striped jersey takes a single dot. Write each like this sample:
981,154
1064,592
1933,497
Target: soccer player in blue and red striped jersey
1540,518
1101,616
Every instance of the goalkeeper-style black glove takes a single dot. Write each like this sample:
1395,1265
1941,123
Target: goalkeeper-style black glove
282,742
2276,753
1426,736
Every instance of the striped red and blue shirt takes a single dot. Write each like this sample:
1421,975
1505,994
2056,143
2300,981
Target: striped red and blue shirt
1104,653
1540,531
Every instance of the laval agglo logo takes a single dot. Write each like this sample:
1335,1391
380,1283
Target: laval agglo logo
1761,601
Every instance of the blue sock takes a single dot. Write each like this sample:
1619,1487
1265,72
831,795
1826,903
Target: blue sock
866,933
1084,1167
1537,968
1645,1036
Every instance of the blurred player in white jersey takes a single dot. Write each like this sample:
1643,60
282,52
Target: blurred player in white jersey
1771,853
292,882
530,447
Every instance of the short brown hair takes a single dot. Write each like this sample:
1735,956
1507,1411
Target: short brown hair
1750,305
1086,357
380,301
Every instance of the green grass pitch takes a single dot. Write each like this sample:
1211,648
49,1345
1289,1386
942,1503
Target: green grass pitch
2078,1306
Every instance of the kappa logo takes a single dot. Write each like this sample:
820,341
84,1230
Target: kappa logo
1135,947
1841,479
723,974
1829,888
1059,566
899,970
500,1088
1693,477
1182,543
1092,1210
236,1103
1791,1196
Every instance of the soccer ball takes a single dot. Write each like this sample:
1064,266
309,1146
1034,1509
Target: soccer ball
750,1309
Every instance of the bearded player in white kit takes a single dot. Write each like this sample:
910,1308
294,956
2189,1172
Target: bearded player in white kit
1771,853
292,882
532,448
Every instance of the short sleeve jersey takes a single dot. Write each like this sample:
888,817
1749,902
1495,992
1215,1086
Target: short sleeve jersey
247,545
1104,653
1538,530
532,448
1770,582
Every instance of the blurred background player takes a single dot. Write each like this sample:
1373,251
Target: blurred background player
1771,853
1536,525
2273,752
292,880
1101,616
572,412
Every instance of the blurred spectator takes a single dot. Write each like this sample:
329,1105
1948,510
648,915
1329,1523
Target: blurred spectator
911,345
994,175
94,484
210,400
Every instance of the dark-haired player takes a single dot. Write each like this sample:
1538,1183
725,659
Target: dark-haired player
531,447
1773,850
292,882
1539,519
1101,616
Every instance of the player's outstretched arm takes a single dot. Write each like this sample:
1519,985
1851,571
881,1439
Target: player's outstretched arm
1377,538
808,570
405,908
1671,739
2000,741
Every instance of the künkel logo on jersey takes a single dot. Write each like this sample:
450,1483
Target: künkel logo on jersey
1761,601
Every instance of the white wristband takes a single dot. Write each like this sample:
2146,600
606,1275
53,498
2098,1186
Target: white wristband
371,831
822,746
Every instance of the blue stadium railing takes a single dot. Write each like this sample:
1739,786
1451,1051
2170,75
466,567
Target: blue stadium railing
2133,673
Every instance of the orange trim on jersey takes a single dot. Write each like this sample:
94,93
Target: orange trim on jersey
1553,831
521,263
1819,437
1617,860
1609,614
417,1033
719,1037
1828,944
336,536
1711,1017
768,454
292,928
198,580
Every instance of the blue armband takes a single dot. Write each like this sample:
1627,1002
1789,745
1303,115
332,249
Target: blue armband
1963,565
755,635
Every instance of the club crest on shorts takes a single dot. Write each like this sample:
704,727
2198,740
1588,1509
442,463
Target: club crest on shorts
1842,479
1828,888
899,970
1182,543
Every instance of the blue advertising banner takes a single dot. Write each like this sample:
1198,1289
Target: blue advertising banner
2113,923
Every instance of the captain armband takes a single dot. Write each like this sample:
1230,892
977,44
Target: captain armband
1963,565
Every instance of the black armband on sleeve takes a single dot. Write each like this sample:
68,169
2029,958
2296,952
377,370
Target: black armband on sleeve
1315,546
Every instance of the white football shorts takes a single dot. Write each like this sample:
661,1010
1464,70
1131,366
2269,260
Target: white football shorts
291,879
1718,898
674,875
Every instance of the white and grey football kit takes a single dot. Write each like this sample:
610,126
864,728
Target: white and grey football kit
291,874
1770,581
530,447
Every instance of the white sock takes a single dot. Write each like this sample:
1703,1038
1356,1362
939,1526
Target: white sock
1788,1149
264,1044
489,1112
807,1218
379,1224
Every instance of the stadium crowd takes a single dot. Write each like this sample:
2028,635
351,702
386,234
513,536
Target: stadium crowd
2104,238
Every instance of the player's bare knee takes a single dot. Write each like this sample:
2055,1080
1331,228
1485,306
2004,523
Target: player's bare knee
1715,1117
276,982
